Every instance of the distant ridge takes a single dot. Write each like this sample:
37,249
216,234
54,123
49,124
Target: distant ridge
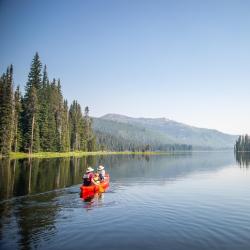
162,131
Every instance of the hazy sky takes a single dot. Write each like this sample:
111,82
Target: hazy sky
184,60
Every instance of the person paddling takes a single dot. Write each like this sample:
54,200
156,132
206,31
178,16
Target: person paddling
101,172
88,178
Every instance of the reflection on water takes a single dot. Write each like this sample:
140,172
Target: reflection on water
94,201
182,201
33,218
35,214
22,177
243,159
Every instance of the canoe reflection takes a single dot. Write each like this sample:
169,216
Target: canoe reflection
94,201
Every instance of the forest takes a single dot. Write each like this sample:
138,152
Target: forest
118,143
41,119
242,144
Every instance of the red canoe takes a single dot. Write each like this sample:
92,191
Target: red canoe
96,188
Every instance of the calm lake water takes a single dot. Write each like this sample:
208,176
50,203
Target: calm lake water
182,201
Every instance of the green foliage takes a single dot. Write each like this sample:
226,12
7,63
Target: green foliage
107,141
121,136
76,122
41,119
34,77
65,139
242,144
31,116
6,111
17,136
44,113
30,121
162,131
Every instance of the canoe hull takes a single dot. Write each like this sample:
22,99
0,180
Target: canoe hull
88,191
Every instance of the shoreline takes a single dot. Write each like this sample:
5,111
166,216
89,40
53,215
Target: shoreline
20,155
44,155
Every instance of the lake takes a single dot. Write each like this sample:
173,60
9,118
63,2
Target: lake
195,200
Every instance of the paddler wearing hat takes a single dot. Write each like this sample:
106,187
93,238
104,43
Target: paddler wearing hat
88,177
101,172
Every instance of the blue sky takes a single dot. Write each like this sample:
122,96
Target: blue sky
184,60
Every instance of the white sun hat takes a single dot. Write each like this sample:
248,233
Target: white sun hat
89,169
100,167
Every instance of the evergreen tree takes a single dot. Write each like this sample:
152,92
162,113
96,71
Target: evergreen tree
30,121
51,140
59,116
35,76
44,113
31,113
88,138
16,142
41,119
6,111
76,123
65,128
242,144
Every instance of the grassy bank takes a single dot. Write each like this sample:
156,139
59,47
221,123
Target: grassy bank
19,155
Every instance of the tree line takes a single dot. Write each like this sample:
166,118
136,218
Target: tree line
41,120
242,143
108,141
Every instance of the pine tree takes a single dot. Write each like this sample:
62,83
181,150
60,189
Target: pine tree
91,144
44,111
30,121
2,113
242,143
16,142
31,103
34,77
6,111
51,139
88,135
75,115
59,117
65,128
41,119
86,129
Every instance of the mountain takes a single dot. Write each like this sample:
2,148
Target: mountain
161,131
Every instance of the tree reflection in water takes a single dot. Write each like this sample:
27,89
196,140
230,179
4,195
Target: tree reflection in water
26,176
35,214
33,220
243,159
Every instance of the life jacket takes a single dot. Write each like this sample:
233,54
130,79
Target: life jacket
87,179
96,179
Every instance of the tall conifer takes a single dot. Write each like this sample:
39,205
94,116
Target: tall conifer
35,76
6,111
75,115
44,110
31,114
65,128
16,142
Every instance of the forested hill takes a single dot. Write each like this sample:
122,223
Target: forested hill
40,119
159,131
